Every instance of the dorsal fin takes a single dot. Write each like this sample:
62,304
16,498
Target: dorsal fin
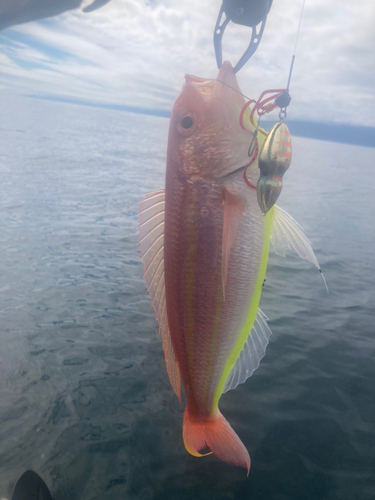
251,354
287,232
151,239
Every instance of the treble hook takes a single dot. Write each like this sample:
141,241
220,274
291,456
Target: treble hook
249,13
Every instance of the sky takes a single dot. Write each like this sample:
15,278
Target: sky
136,53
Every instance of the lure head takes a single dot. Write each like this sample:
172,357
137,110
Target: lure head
205,136
274,161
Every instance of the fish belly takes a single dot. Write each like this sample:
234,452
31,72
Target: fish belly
209,327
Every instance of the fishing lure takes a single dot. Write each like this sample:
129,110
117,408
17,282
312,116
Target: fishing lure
276,152
274,160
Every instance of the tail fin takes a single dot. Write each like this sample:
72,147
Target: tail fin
216,433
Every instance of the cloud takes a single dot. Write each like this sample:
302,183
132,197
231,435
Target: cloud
136,52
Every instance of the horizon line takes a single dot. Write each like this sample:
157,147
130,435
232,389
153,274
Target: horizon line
359,135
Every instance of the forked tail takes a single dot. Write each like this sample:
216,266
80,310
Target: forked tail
216,433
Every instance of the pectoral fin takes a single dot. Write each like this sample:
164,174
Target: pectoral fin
151,240
286,232
233,208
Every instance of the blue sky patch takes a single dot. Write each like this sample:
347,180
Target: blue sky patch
10,38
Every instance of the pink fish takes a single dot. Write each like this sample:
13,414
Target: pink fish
204,244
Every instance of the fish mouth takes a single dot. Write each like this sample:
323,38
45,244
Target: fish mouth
203,86
225,83
268,192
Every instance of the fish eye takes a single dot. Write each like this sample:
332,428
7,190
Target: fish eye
187,122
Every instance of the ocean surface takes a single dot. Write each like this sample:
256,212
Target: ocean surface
85,400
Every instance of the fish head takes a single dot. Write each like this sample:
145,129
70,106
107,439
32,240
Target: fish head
205,136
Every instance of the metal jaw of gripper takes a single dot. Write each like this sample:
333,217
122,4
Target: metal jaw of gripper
251,13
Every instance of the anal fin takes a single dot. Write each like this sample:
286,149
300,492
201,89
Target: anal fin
251,354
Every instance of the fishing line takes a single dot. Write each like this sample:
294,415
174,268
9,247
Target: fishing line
295,45
243,95
282,100
299,27
291,64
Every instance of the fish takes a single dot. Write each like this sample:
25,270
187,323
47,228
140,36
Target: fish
204,245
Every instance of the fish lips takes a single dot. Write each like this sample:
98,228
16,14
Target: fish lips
268,192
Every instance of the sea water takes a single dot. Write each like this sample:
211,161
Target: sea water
85,400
